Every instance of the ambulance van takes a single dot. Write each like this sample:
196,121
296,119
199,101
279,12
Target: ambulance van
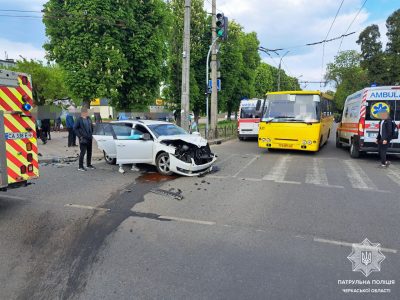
250,111
359,126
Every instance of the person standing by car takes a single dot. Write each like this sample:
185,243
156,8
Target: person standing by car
71,132
83,128
46,129
384,136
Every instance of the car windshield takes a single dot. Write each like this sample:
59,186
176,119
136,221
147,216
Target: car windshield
292,108
166,129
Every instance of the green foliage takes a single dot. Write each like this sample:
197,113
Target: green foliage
264,80
48,80
99,43
393,46
199,42
347,75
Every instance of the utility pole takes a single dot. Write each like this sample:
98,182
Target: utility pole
185,104
214,90
279,71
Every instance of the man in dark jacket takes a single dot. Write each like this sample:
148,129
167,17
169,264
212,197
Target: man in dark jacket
84,131
46,129
384,136
71,132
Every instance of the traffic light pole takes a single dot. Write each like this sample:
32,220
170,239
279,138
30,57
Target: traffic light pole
207,80
185,105
214,90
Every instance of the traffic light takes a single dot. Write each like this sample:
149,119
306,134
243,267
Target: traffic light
222,26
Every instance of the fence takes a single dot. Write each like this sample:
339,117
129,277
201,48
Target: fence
220,132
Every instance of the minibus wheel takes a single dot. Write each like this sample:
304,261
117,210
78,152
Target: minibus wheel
354,152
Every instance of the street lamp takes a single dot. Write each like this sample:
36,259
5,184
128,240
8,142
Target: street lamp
279,70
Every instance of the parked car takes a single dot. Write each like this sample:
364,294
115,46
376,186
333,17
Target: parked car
162,144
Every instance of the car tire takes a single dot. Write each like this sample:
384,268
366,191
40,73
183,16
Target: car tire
109,160
354,152
163,164
338,143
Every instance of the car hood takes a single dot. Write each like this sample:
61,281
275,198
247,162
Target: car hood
188,138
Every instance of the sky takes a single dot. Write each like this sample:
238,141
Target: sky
278,23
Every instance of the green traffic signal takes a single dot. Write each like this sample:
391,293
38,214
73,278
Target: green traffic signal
222,26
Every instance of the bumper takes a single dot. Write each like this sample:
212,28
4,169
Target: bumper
250,136
189,169
288,146
372,147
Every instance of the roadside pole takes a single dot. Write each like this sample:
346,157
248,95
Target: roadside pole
279,71
207,80
185,104
214,90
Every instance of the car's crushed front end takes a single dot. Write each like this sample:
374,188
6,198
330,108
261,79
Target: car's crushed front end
191,157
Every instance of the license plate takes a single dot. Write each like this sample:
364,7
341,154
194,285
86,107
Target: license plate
19,135
372,134
286,145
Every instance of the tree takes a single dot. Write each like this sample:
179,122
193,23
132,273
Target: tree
347,75
372,55
100,45
264,80
393,46
199,42
48,81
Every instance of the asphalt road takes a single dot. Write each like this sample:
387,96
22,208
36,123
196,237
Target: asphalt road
264,225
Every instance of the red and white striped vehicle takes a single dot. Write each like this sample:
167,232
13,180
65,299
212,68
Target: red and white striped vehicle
359,125
250,112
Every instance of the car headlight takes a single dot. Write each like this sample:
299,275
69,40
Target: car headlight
304,142
309,142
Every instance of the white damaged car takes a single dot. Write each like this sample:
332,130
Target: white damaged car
164,145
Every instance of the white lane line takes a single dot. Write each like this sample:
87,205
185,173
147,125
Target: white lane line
340,243
394,174
317,173
218,176
186,220
246,165
357,177
279,170
86,207
250,179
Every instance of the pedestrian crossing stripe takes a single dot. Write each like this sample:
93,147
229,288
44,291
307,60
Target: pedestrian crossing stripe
316,173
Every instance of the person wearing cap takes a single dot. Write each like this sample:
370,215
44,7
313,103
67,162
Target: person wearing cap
83,128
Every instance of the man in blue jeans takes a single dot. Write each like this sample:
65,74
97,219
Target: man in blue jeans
70,127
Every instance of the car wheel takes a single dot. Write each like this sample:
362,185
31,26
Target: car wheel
109,160
163,164
354,152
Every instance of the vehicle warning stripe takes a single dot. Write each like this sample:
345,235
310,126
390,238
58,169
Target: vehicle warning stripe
13,101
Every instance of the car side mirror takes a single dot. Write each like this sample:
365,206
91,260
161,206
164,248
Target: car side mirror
146,137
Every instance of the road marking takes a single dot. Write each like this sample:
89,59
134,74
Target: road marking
357,177
250,179
317,173
246,165
186,220
279,170
394,174
340,243
86,207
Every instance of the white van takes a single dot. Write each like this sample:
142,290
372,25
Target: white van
250,112
359,124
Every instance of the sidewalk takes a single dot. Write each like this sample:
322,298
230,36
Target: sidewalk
57,149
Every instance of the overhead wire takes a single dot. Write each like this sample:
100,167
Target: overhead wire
326,37
351,24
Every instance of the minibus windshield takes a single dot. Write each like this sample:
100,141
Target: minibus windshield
293,108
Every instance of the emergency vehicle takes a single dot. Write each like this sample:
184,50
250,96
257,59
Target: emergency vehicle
250,111
359,126
18,147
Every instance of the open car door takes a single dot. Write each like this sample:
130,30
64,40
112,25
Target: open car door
132,146
104,136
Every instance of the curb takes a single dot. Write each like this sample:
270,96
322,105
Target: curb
220,141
